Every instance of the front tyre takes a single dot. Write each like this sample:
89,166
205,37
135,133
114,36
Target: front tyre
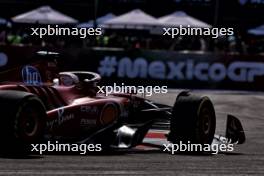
193,120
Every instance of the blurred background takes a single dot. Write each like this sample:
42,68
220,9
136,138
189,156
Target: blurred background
132,42
239,14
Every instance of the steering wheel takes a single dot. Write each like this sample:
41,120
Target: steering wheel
76,77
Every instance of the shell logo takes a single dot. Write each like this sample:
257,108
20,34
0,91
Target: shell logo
109,114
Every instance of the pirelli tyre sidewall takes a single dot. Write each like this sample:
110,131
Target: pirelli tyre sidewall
193,120
22,121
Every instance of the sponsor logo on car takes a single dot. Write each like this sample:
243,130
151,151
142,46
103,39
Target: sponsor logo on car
89,109
87,122
62,118
31,75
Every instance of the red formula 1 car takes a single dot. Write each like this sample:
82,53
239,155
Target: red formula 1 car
71,111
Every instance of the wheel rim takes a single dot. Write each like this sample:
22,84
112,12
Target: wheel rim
206,122
29,122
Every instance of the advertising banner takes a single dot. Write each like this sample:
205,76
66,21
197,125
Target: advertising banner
192,70
177,69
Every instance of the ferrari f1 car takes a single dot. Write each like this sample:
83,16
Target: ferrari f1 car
71,111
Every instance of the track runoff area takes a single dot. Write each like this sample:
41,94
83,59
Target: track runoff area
246,159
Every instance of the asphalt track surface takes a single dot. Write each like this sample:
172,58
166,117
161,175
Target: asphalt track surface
247,159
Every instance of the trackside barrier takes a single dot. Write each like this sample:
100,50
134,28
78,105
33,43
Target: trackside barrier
192,70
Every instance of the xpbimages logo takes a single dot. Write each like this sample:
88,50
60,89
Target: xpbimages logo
196,31
190,147
147,90
65,31
59,147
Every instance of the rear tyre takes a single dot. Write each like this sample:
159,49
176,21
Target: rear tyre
193,120
22,121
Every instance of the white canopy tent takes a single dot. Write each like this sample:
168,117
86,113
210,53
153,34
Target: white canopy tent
44,15
99,21
181,18
135,19
257,31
